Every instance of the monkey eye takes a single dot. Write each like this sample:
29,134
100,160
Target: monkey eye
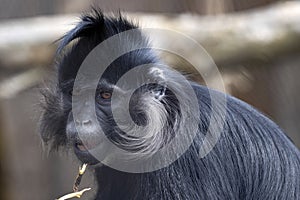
105,95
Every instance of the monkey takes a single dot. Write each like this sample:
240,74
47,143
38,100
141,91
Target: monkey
252,159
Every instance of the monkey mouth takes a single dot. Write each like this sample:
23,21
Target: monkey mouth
81,147
81,150
86,146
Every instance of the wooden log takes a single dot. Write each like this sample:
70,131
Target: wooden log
257,34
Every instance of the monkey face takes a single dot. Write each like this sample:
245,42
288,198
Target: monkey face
132,110
114,120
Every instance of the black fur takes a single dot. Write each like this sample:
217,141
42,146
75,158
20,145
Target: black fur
253,159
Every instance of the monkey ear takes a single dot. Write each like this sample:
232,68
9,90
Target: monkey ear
47,132
52,118
45,137
159,94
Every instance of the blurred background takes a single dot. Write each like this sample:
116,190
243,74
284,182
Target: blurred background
255,44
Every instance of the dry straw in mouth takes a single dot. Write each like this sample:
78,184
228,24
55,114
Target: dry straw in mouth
75,192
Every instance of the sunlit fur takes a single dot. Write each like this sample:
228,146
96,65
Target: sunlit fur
253,159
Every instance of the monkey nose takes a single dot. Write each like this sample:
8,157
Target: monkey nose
83,122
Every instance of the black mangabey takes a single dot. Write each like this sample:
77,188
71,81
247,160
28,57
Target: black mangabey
253,158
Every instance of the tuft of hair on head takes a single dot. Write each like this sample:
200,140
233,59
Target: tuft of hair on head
97,25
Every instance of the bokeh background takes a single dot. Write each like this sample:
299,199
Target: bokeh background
255,44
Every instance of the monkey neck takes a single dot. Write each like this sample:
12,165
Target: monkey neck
113,184
172,182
